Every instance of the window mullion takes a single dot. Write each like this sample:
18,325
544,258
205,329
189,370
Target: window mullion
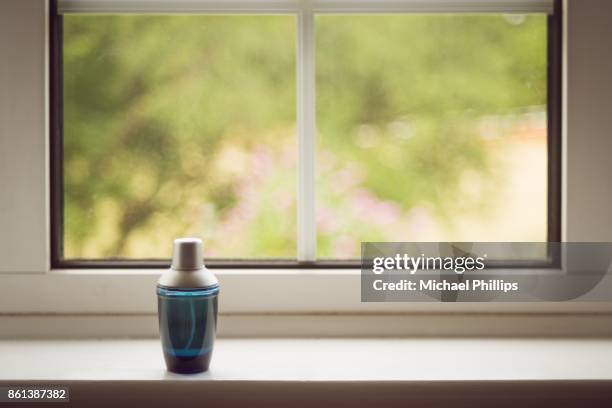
306,135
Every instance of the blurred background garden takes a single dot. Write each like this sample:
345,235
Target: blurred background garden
429,128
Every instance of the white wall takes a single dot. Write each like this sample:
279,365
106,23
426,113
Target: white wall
23,136
588,121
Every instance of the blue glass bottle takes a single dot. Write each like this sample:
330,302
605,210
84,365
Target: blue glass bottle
187,307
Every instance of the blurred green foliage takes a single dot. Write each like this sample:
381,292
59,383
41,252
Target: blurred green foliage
185,125
400,99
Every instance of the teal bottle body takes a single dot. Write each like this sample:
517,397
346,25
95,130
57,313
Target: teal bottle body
187,327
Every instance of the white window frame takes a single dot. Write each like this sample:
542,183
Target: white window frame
29,286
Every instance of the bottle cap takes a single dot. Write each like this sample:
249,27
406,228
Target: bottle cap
187,254
188,270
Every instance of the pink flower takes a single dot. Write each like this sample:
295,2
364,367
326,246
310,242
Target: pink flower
368,207
327,221
346,247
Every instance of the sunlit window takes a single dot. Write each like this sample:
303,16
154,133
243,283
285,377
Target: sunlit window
429,127
179,126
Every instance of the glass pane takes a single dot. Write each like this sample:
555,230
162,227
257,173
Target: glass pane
179,126
430,128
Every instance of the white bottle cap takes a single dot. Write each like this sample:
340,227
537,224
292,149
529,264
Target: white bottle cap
187,270
187,254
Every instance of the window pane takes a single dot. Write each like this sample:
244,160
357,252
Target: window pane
179,125
430,128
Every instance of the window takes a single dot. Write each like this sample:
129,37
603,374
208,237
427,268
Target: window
429,127
179,125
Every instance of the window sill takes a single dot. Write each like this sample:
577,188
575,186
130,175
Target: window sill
74,303
424,359
360,370
302,291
